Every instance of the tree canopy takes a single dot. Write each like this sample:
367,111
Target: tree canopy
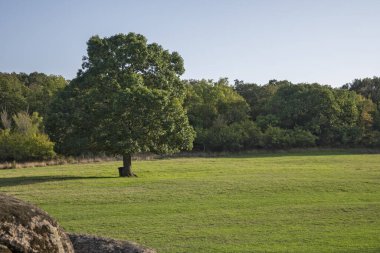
33,92
126,99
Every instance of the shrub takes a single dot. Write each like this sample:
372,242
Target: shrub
225,137
349,135
301,138
236,136
264,121
252,135
275,137
25,142
21,147
372,139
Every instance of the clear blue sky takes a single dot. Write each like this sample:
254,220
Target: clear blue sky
326,41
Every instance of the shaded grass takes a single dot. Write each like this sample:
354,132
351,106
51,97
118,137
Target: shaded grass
287,202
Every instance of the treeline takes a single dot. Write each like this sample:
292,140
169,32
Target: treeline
242,116
281,115
24,103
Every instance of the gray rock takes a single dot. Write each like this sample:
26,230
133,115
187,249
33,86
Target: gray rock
4,249
92,244
24,228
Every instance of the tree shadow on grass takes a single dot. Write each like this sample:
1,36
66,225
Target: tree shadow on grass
15,181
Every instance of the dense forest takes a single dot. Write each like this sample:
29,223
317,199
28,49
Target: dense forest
225,117
128,98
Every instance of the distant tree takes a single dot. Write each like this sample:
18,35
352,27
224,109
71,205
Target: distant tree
310,107
41,89
32,93
208,100
367,87
12,94
212,108
126,99
258,96
335,116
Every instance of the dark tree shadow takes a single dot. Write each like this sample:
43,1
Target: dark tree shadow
14,181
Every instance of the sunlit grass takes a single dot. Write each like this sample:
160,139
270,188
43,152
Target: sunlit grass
296,202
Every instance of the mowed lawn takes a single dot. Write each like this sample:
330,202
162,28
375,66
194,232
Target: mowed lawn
287,202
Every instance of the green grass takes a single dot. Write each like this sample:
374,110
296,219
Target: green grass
289,202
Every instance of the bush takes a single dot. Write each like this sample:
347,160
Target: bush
225,137
349,135
233,137
275,137
253,137
264,121
301,138
372,139
24,141
21,147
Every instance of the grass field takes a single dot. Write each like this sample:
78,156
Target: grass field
288,202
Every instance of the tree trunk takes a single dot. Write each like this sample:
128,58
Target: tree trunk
126,170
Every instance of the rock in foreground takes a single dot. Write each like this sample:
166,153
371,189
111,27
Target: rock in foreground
88,243
25,228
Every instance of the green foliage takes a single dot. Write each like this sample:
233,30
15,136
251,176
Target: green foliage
258,96
376,119
33,92
41,90
372,139
367,87
252,134
5,120
26,124
206,101
370,89
21,147
25,142
12,94
215,111
224,137
233,137
311,107
285,115
335,116
277,138
301,138
126,99
265,121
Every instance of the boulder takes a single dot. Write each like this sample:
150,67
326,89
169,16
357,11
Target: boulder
24,228
4,249
93,244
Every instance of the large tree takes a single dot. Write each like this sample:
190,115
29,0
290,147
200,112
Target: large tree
126,99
